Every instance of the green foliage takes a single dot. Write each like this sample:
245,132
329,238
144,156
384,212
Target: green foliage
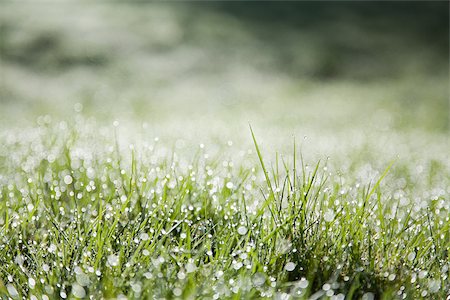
86,217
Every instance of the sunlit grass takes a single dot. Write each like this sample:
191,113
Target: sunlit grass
127,168
84,216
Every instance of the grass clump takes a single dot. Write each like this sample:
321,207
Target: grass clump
83,217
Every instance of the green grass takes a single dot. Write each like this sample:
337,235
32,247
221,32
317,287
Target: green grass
82,215
356,205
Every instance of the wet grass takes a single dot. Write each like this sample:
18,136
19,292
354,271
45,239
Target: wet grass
94,205
81,215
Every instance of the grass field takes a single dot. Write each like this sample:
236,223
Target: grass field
148,151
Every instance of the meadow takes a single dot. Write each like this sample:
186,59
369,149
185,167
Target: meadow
149,151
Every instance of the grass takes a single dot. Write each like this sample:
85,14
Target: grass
83,216
356,207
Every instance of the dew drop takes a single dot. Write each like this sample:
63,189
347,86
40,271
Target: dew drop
434,286
411,256
368,296
31,282
328,215
83,279
78,291
78,107
423,274
52,248
237,265
340,297
136,287
68,179
242,230
144,236
259,279
303,283
290,266
177,292
12,291
45,267
190,267
113,260
181,275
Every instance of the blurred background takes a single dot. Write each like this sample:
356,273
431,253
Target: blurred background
335,72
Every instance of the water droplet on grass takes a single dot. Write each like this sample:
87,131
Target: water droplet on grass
237,265
434,286
423,274
181,275
136,287
52,248
328,216
242,230
68,179
31,282
303,283
190,267
144,236
12,291
78,291
339,297
290,266
177,292
113,260
78,107
368,296
83,279
259,279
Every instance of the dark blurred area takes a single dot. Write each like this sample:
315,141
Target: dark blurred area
361,40
157,59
